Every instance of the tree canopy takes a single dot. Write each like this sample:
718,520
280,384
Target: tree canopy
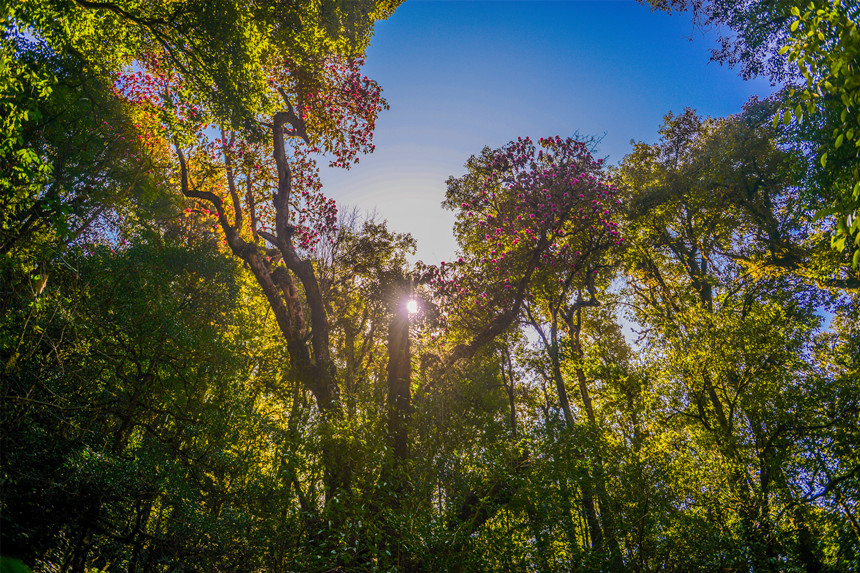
650,366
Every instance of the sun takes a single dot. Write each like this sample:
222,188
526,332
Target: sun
412,306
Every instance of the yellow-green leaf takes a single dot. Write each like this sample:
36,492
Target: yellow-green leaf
838,243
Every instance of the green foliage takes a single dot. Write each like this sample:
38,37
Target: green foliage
228,46
87,173
22,88
9,565
818,43
157,415
825,46
126,411
730,350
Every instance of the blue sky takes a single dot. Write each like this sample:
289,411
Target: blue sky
460,75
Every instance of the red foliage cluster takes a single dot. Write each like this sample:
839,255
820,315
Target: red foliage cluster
315,215
338,117
159,92
341,113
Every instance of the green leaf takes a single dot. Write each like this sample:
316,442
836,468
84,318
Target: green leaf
839,141
786,117
838,243
855,260
795,25
824,159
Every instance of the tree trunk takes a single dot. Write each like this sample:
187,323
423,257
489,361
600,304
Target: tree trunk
606,515
399,387
311,362
507,372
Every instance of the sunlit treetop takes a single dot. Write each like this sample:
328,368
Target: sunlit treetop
814,43
195,68
526,215
337,118
191,70
224,51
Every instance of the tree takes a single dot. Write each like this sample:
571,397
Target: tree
289,73
533,227
73,162
738,389
525,217
819,44
192,71
132,434
224,52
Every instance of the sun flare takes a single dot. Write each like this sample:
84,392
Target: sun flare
412,306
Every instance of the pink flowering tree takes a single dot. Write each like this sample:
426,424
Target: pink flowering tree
531,219
536,226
